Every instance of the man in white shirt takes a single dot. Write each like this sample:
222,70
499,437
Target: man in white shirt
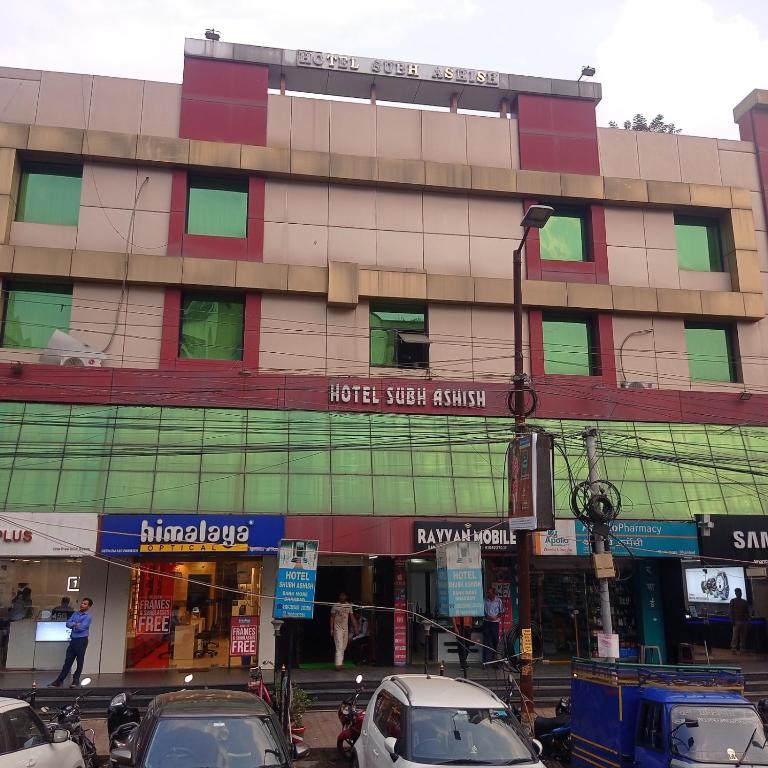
341,615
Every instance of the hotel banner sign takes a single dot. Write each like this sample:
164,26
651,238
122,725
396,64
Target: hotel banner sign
408,70
428,397
189,534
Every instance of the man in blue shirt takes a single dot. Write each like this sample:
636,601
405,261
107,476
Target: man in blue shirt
80,623
494,608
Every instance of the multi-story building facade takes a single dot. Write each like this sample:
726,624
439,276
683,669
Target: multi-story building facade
293,313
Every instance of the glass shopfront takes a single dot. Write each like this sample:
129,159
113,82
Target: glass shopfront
180,611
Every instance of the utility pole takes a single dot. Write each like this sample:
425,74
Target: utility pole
598,540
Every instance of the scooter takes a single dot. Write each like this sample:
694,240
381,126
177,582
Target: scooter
351,717
554,733
122,719
68,718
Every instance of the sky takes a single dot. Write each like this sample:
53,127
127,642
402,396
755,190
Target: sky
691,60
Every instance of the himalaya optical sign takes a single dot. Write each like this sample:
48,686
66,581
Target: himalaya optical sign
189,534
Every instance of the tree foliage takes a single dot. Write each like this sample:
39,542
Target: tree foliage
639,123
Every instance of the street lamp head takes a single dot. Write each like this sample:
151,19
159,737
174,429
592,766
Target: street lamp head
537,216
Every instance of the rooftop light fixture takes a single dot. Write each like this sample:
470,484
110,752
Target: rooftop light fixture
215,35
587,72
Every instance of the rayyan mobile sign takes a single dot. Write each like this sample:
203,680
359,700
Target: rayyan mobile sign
459,579
296,576
531,485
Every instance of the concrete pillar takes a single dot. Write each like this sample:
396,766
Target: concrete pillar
266,631
107,584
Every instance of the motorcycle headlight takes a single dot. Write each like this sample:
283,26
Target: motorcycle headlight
118,701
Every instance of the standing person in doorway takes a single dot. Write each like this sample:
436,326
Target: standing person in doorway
341,615
493,610
739,610
462,626
80,624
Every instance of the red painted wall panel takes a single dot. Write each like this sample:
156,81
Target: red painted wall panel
216,121
226,81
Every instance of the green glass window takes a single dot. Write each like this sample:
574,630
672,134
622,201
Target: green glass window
568,346
212,328
698,244
33,311
710,354
49,194
396,330
564,237
217,207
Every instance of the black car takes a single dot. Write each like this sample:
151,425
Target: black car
207,729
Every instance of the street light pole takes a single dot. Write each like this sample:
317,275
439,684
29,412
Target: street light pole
535,218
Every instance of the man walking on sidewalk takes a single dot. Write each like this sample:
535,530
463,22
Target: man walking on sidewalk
80,624
341,615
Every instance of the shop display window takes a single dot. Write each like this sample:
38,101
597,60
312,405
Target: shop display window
180,612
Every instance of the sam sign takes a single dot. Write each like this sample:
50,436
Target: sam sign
244,636
296,575
459,579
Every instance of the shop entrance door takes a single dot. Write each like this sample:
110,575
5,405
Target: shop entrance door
312,638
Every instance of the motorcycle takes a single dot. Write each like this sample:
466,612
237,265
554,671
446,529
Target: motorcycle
122,719
554,733
351,717
69,719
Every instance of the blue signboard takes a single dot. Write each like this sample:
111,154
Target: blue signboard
296,576
459,579
646,538
189,534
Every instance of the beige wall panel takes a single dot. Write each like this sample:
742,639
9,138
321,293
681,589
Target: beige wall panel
95,316
296,202
353,128
450,354
491,256
349,244
705,281
446,214
347,344
43,235
495,217
624,227
443,137
627,266
111,186
400,249
144,327
116,104
659,229
398,133
293,330
310,124
699,161
161,109
402,211
103,229
635,359
739,169
65,100
351,207
279,121
446,254
150,233
19,98
758,211
493,343
762,249
295,244
663,271
658,155
754,370
156,193
488,142
618,153
671,354
514,142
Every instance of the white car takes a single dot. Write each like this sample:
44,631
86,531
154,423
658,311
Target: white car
416,720
26,742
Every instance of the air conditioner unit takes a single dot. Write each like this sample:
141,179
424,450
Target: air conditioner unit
638,385
64,349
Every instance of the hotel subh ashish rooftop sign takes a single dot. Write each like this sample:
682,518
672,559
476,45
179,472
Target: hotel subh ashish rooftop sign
407,70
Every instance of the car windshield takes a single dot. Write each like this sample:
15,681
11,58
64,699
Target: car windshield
448,736
215,742
724,734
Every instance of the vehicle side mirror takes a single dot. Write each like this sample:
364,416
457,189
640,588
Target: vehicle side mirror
300,751
538,747
691,722
121,756
390,744
60,735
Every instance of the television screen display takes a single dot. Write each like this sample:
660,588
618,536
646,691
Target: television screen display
714,585
52,632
